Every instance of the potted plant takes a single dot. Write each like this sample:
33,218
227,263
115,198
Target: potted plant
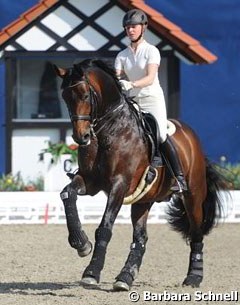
56,150
60,158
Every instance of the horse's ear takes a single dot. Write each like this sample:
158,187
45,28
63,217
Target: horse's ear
60,71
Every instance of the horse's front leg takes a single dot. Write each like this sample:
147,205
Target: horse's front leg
77,237
103,233
139,215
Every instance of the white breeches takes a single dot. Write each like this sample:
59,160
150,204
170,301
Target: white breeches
157,107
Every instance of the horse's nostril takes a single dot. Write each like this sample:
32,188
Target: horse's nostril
83,139
86,136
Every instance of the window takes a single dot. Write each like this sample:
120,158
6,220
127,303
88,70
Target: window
38,94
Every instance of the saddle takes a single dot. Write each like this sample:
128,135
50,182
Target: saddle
151,130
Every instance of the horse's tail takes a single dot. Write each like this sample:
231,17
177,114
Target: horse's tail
212,205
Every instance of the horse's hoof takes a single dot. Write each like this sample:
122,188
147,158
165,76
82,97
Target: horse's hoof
192,280
120,286
86,250
89,281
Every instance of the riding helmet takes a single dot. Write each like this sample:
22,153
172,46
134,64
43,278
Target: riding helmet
133,17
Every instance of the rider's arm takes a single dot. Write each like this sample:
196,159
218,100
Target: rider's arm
152,70
120,74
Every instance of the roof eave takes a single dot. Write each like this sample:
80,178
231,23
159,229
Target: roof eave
29,16
184,43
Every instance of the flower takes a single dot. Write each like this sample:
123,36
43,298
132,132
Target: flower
9,180
14,183
73,147
61,148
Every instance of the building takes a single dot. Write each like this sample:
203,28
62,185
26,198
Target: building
64,32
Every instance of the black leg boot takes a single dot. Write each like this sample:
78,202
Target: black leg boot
171,155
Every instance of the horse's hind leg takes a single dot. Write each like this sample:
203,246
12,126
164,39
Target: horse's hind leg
139,215
186,216
195,215
77,237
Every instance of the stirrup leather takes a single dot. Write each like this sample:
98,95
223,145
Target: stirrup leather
181,185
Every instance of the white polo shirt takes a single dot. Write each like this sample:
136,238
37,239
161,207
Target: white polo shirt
134,64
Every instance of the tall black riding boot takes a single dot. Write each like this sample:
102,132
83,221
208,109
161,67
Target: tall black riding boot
172,156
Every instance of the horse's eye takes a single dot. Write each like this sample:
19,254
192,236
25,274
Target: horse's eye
86,96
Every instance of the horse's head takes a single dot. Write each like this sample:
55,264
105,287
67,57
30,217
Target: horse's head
80,98
85,87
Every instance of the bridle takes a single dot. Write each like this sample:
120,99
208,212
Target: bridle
93,101
97,123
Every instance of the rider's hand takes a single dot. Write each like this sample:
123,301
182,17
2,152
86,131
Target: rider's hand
126,85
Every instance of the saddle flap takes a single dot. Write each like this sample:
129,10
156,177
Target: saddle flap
151,126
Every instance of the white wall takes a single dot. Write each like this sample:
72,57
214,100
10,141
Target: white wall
26,146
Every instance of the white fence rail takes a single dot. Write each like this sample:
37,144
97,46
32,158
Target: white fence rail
47,208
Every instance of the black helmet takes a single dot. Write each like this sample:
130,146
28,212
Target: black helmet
133,17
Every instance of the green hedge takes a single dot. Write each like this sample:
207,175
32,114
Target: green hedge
232,174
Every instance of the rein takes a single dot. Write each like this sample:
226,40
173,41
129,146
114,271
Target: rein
113,112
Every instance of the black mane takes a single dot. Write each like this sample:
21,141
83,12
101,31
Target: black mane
103,65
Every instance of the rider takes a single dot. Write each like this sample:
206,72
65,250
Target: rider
139,63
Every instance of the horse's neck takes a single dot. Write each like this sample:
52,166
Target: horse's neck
110,100
87,157
119,120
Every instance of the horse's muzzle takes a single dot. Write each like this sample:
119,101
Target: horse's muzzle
82,140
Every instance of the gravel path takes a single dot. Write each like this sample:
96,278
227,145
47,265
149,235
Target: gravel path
39,267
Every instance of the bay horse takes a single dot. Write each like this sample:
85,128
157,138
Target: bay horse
113,156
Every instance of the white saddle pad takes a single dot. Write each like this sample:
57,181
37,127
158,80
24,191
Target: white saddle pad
171,128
